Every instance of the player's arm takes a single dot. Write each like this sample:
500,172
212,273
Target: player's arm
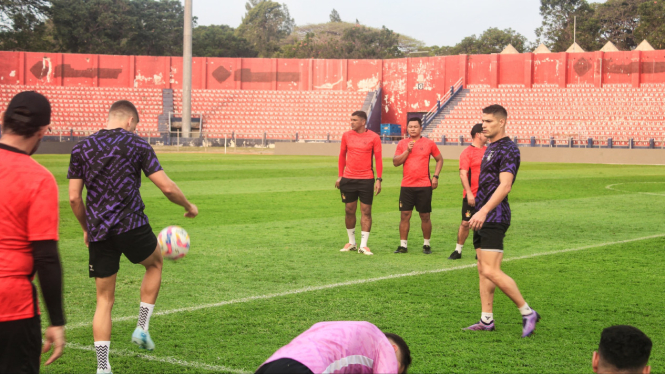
78,207
437,170
400,158
48,268
341,164
173,192
464,177
378,156
505,185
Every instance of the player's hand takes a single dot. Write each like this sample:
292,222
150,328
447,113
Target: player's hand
86,240
478,219
435,183
411,145
192,211
377,188
470,199
54,336
338,182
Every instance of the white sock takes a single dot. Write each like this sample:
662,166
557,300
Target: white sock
352,235
526,310
459,247
402,243
486,318
102,349
426,242
364,236
145,311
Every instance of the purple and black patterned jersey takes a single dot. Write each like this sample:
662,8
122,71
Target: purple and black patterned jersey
110,163
501,156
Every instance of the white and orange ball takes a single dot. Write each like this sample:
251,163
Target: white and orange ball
174,242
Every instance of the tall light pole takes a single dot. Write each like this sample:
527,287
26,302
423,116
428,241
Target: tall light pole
187,73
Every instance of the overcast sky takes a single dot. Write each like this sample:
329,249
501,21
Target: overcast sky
436,22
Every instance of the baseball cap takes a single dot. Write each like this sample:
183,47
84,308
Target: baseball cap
27,112
478,127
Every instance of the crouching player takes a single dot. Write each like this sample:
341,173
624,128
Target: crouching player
341,347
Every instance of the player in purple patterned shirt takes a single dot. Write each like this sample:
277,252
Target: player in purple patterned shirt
109,163
497,175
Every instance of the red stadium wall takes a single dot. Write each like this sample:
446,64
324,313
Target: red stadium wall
409,84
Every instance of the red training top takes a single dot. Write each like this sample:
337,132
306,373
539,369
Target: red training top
470,160
416,166
355,155
28,213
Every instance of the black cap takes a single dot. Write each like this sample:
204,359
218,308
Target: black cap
28,109
478,127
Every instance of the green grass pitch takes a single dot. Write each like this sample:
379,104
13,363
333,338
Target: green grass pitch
268,238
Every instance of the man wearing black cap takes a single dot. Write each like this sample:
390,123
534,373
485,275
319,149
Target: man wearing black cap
28,240
469,171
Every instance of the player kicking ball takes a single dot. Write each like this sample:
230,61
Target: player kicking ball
341,347
414,153
109,163
356,179
469,172
490,223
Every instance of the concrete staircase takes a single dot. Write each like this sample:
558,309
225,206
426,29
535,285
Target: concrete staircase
446,110
167,107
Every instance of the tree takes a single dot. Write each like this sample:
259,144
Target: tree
158,28
652,23
557,31
363,42
27,11
617,21
220,41
491,40
334,16
265,24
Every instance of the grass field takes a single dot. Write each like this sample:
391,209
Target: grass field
265,265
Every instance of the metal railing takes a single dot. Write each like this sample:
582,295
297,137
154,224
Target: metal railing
441,103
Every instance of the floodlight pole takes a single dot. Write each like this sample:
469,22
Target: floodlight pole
575,30
187,72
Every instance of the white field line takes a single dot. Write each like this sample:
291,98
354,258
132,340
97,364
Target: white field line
611,187
359,281
168,360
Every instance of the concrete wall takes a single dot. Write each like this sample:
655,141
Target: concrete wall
409,84
563,155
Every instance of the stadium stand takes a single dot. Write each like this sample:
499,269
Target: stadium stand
550,113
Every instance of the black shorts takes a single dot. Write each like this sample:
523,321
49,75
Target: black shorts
353,189
490,236
20,345
467,211
420,197
137,245
284,365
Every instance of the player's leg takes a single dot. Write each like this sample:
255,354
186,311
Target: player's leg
366,197
349,193
101,323
463,231
424,207
404,226
486,288
20,345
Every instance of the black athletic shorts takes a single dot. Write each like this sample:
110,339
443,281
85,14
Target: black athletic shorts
467,211
282,366
353,189
137,245
420,197
20,345
490,236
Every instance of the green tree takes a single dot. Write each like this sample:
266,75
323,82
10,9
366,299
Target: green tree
617,21
557,29
652,23
26,12
365,43
93,26
492,40
334,16
265,25
158,28
220,41
28,32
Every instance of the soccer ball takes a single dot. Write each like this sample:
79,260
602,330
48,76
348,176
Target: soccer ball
174,242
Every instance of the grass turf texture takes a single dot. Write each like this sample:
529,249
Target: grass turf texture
273,224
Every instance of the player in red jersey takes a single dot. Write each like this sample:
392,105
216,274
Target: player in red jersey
414,153
469,171
28,240
356,178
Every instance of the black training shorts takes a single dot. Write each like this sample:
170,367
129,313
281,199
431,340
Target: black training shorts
354,189
20,345
467,211
137,245
284,365
490,236
420,197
